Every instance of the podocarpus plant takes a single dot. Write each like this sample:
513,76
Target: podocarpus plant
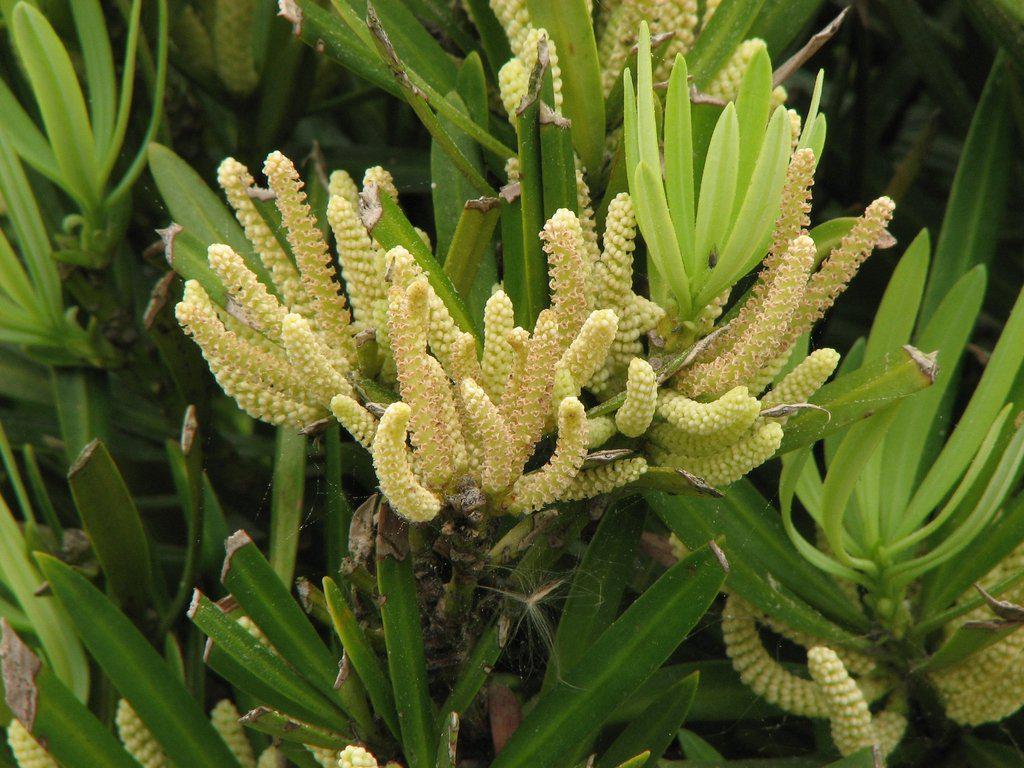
508,391
906,518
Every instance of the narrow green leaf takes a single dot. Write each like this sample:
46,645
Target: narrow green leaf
27,140
60,101
361,655
719,38
570,26
717,188
751,231
257,588
83,408
471,243
679,162
493,39
99,69
659,234
52,713
894,318
162,702
416,46
597,587
113,525
865,758
286,495
764,568
266,675
198,210
851,397
950,581
752,110
557,160
475,670
403,637
284,728
971,225
337,508
317,26
966,640
780,22
625,655
695,748
982,753
988,399
1002,20
653,730
389,227
526,278
29,229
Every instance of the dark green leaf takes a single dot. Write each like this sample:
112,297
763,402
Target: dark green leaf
625,655
404,639
654,729
162,702
286,500
113,525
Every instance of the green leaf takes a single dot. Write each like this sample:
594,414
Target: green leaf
412,90
83,408
988,399
695,748
49,622
570,26
855,395
659,234
764,567
597,586
966,640
717,187
361,655
320,27
475,670
265,674
52,713
162,702
471,243
653,730
449,189
60,101
22,211
752,111
1002,20
198,209
337,509
625,655
99,69
258,589
750,233
717,41
526,277
918,431
389,227
557,159
415,45
894,318
403,637
113,525
971,225
493,39
679,162
286,496
780,22
946,584
27,140
284,728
